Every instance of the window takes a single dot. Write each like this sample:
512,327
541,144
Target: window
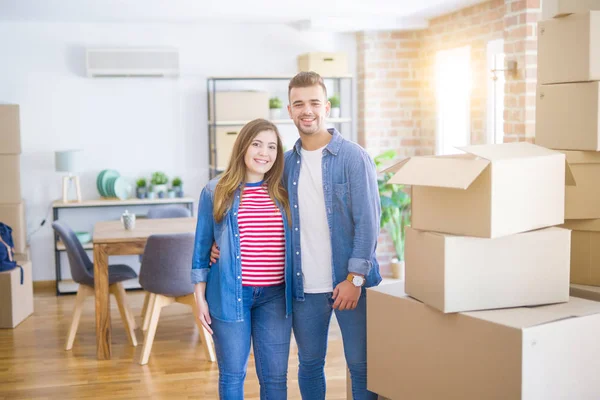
495,91
453,99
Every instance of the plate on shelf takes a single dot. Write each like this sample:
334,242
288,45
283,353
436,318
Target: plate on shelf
106,183
84,237
122,188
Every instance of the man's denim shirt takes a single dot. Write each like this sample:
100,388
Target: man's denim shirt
224,278
352,205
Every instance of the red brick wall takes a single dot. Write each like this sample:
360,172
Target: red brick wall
396,92
520,44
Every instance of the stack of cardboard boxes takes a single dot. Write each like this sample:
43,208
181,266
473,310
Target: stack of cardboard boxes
568,119
16,294
488,313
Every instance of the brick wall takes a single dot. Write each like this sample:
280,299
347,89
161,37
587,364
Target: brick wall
396,85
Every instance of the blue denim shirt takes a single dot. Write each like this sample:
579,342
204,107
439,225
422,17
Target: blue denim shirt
224,278
353,210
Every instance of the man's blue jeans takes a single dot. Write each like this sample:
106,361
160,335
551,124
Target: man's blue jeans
266,324
311,328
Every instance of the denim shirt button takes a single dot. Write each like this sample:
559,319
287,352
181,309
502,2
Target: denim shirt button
239,299
237,257
295,205
236,235
297,252
294,183
239,277
296,228
298,273
298,162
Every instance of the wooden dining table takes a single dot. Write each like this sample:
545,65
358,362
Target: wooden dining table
110,238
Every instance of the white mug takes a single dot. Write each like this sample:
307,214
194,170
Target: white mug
128,220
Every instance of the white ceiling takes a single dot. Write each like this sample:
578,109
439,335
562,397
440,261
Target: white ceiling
326,15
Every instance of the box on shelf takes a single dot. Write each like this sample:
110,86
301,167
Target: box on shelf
493,191
24,256
225,138
416,352
239,105
463,273
10,178
325,64
585,251
561,8
567,116
585,292
583,200
567,49
10,129
16,298
13,215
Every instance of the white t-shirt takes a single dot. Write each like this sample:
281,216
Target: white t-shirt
315,240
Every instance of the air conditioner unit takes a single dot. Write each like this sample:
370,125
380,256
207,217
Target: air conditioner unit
132,62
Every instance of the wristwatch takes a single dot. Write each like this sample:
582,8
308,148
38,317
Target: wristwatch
356,280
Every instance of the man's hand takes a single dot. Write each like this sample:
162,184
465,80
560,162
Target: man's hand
214,253
204,314
346,296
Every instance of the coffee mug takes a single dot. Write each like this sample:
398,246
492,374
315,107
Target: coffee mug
128,220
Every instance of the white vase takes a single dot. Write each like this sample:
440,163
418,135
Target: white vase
274,113
335,112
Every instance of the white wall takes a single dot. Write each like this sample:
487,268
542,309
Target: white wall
134,125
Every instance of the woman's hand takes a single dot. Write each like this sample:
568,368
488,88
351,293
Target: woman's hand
203,313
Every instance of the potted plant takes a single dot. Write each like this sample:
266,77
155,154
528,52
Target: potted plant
159,182
395,211
177,186
141,189
275,106
335,106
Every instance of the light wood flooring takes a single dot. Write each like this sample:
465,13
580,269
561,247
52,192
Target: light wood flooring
35,365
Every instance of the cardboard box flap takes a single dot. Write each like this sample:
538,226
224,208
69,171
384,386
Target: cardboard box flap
591,225
582,157
507,151
527,317
447,172
511,151
395,167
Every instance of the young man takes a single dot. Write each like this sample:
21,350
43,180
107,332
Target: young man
335,207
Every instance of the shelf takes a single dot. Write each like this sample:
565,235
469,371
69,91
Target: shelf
279,121
107,202
268,78
61,247
69,286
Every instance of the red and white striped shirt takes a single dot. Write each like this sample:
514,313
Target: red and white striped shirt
262,237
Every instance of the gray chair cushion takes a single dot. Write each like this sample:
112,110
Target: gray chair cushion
166,264
82,268
170,211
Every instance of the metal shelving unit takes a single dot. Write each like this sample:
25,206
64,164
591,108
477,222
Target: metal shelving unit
211,89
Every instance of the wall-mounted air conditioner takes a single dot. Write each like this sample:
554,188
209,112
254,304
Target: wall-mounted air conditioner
132,62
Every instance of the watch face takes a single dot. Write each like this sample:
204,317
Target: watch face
358,280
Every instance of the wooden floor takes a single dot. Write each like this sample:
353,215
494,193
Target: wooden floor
34,364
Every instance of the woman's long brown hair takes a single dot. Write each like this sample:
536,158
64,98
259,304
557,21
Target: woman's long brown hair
235,174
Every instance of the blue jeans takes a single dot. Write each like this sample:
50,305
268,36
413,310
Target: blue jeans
311,327
266,325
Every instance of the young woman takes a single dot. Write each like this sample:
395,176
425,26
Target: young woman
246,294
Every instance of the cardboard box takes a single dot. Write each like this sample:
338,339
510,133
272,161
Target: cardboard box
493,191
25,256
416,352
585,251
462,273
242,106
10,129
225,138
16,299
10,178
561,8
13,215
583,200
585,292
567,49
567,116
325,64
